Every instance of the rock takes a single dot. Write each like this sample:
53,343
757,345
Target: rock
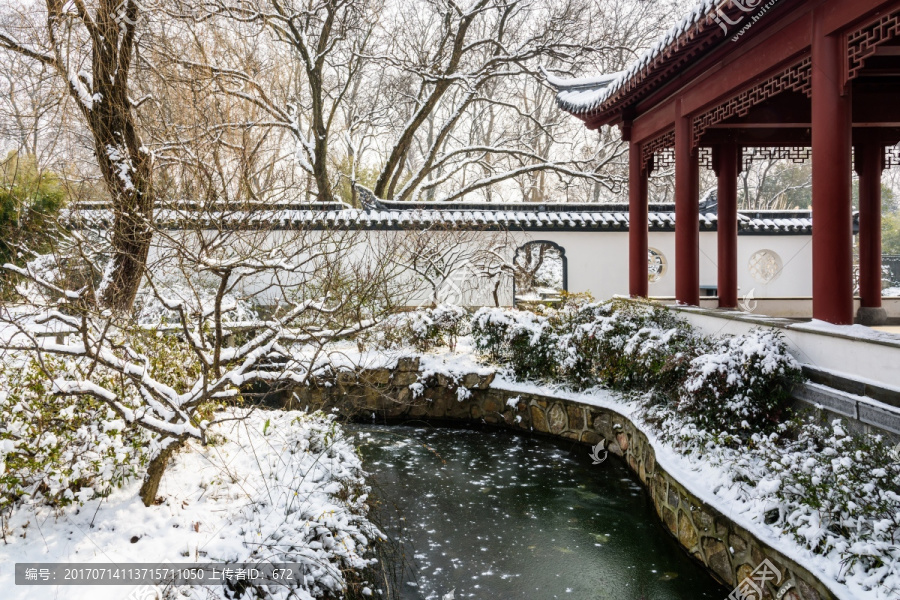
673,498
475,412
807,592
471,380
650,463
376,376
538,420
602,425
403,395
557,419
670,521
408,364
440,403
420,409
870,316
738,544
485,381
717,559
589,437
705,521
576,417
615,449
622,439
346,378
404,378
687,535
491,405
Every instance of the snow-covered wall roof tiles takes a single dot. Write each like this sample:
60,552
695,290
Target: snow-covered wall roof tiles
523,217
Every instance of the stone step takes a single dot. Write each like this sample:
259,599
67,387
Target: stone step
882,394
865,411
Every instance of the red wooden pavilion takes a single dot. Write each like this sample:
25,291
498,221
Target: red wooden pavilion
785,77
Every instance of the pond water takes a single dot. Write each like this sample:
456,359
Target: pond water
492,514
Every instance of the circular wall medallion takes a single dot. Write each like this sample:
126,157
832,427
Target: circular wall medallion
765,266
656,267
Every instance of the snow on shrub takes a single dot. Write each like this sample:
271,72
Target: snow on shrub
524,340
836,492
625,345
301,500
742,383
438,326
619,344
57,450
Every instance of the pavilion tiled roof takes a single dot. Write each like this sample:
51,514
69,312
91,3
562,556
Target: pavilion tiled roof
588,96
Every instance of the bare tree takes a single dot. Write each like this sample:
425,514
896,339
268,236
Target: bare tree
91,50
225,305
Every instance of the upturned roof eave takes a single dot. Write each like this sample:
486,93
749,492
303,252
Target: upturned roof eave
650,78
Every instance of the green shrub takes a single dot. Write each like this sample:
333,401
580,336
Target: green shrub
836,491
57,450
438,326
727,386
742,383
30,200
523,340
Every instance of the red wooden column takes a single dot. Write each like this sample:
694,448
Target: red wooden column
638,276
869,166
687,214
831,181
727,165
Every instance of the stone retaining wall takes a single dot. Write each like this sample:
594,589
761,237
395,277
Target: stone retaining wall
730,552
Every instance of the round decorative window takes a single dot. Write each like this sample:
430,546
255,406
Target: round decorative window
765,266
656,267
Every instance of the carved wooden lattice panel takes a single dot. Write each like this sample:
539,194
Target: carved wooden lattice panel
891,156
705,157
662,146
795,78
862,43
795,154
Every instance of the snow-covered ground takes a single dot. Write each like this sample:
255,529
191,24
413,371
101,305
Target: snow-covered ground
223,499
891,292
275,487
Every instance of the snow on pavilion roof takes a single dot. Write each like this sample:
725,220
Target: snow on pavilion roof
394,215
587,95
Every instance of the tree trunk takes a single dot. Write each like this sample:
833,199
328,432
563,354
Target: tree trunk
155,471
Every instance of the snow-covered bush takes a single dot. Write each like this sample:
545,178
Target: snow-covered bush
727,386
836,492
527,342
438,326
619,344
489,332
56,449
304,501
742,383
625,345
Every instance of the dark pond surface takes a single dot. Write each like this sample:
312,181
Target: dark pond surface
491,514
